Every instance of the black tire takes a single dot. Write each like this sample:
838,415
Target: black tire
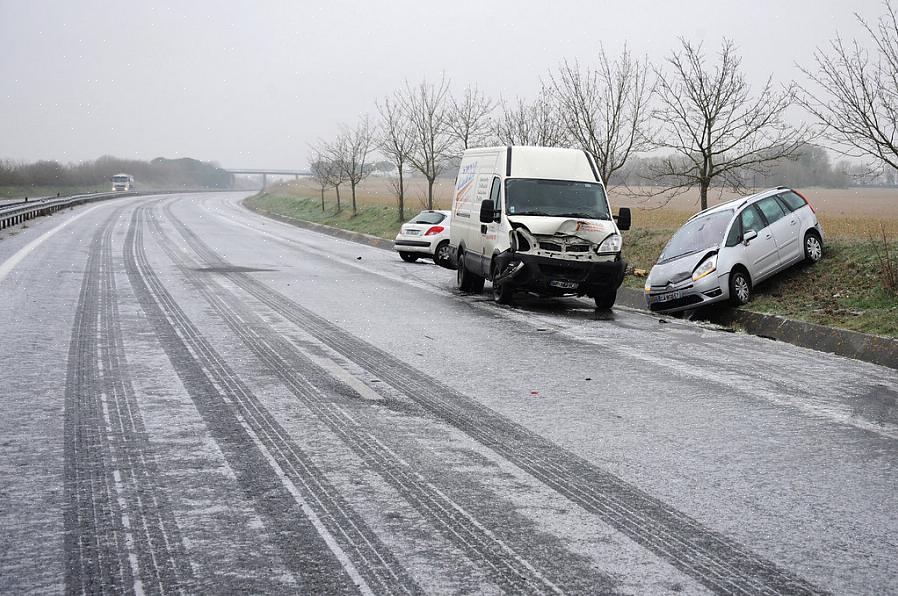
502,293
467,281
442,256
605,300
740,287
813,247
408,257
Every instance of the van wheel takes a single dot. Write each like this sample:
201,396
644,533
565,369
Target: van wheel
605,300
465,280
813,248
408,257
441,255
502,293
740,287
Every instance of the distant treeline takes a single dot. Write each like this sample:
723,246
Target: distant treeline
156,174
810,165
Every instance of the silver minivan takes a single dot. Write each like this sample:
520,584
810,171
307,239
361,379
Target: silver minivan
724,251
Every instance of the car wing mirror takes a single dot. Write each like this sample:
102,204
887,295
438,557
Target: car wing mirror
749,236
487,211
623,218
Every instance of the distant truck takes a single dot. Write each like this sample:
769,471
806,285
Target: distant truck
535,219
122,182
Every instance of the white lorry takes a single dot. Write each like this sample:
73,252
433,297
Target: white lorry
535,219
122,182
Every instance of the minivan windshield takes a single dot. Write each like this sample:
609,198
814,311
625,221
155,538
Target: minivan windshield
700,233
555,198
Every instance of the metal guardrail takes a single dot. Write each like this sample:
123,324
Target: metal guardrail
17,213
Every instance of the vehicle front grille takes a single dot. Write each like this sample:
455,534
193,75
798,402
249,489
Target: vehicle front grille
686,301
550,246
560,271
578,248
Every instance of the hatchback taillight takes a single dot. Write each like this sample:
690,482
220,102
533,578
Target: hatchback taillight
434,230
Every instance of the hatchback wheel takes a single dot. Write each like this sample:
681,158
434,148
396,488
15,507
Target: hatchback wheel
408,257
740,287
813,248
441,256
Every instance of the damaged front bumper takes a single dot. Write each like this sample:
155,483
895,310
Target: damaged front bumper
559,277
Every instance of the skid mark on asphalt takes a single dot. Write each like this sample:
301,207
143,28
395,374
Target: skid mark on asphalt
320,536
720,563
120,534
305,379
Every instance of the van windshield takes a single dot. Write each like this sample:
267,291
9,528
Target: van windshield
556,198
700,233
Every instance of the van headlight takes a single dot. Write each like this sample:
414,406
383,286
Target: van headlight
610,244
704,268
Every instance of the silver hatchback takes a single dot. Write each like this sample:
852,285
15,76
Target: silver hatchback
723,252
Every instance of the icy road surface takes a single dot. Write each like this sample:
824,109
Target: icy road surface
198,399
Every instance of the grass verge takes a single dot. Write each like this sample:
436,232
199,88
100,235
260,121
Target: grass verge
846,289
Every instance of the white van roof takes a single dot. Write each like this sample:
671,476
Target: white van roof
547,163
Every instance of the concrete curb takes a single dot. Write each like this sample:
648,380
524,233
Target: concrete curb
851,344
842,342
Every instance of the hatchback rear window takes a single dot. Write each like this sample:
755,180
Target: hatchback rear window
428,217
792,200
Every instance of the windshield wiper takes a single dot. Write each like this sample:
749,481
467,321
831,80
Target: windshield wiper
581,215
537,213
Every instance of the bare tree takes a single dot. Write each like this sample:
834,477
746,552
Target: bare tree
713,126
469,120
858,106
318,166
605,110
427,107
534,123
395,142
350,152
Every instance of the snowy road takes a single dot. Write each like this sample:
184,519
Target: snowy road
198,399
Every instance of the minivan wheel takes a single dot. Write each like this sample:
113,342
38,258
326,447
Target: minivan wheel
605,300
408,257
813,248
502,293
465,280
740,288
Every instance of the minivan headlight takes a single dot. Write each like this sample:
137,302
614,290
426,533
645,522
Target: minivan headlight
611,244
706,267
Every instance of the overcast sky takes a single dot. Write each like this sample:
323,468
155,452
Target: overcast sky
251,84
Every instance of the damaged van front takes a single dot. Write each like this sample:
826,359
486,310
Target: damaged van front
562,240
545,226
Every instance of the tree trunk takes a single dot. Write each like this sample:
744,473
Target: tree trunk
339,208
703,193
322,199
354,210
430,193
401,196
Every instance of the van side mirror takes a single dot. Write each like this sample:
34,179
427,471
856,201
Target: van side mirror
487,211
623,218
749,236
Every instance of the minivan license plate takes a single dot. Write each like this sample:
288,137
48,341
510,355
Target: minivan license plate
666,297
564,284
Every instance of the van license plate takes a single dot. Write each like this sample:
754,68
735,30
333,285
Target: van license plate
666,297
563,284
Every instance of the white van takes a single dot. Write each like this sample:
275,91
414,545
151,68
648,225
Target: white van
535,219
